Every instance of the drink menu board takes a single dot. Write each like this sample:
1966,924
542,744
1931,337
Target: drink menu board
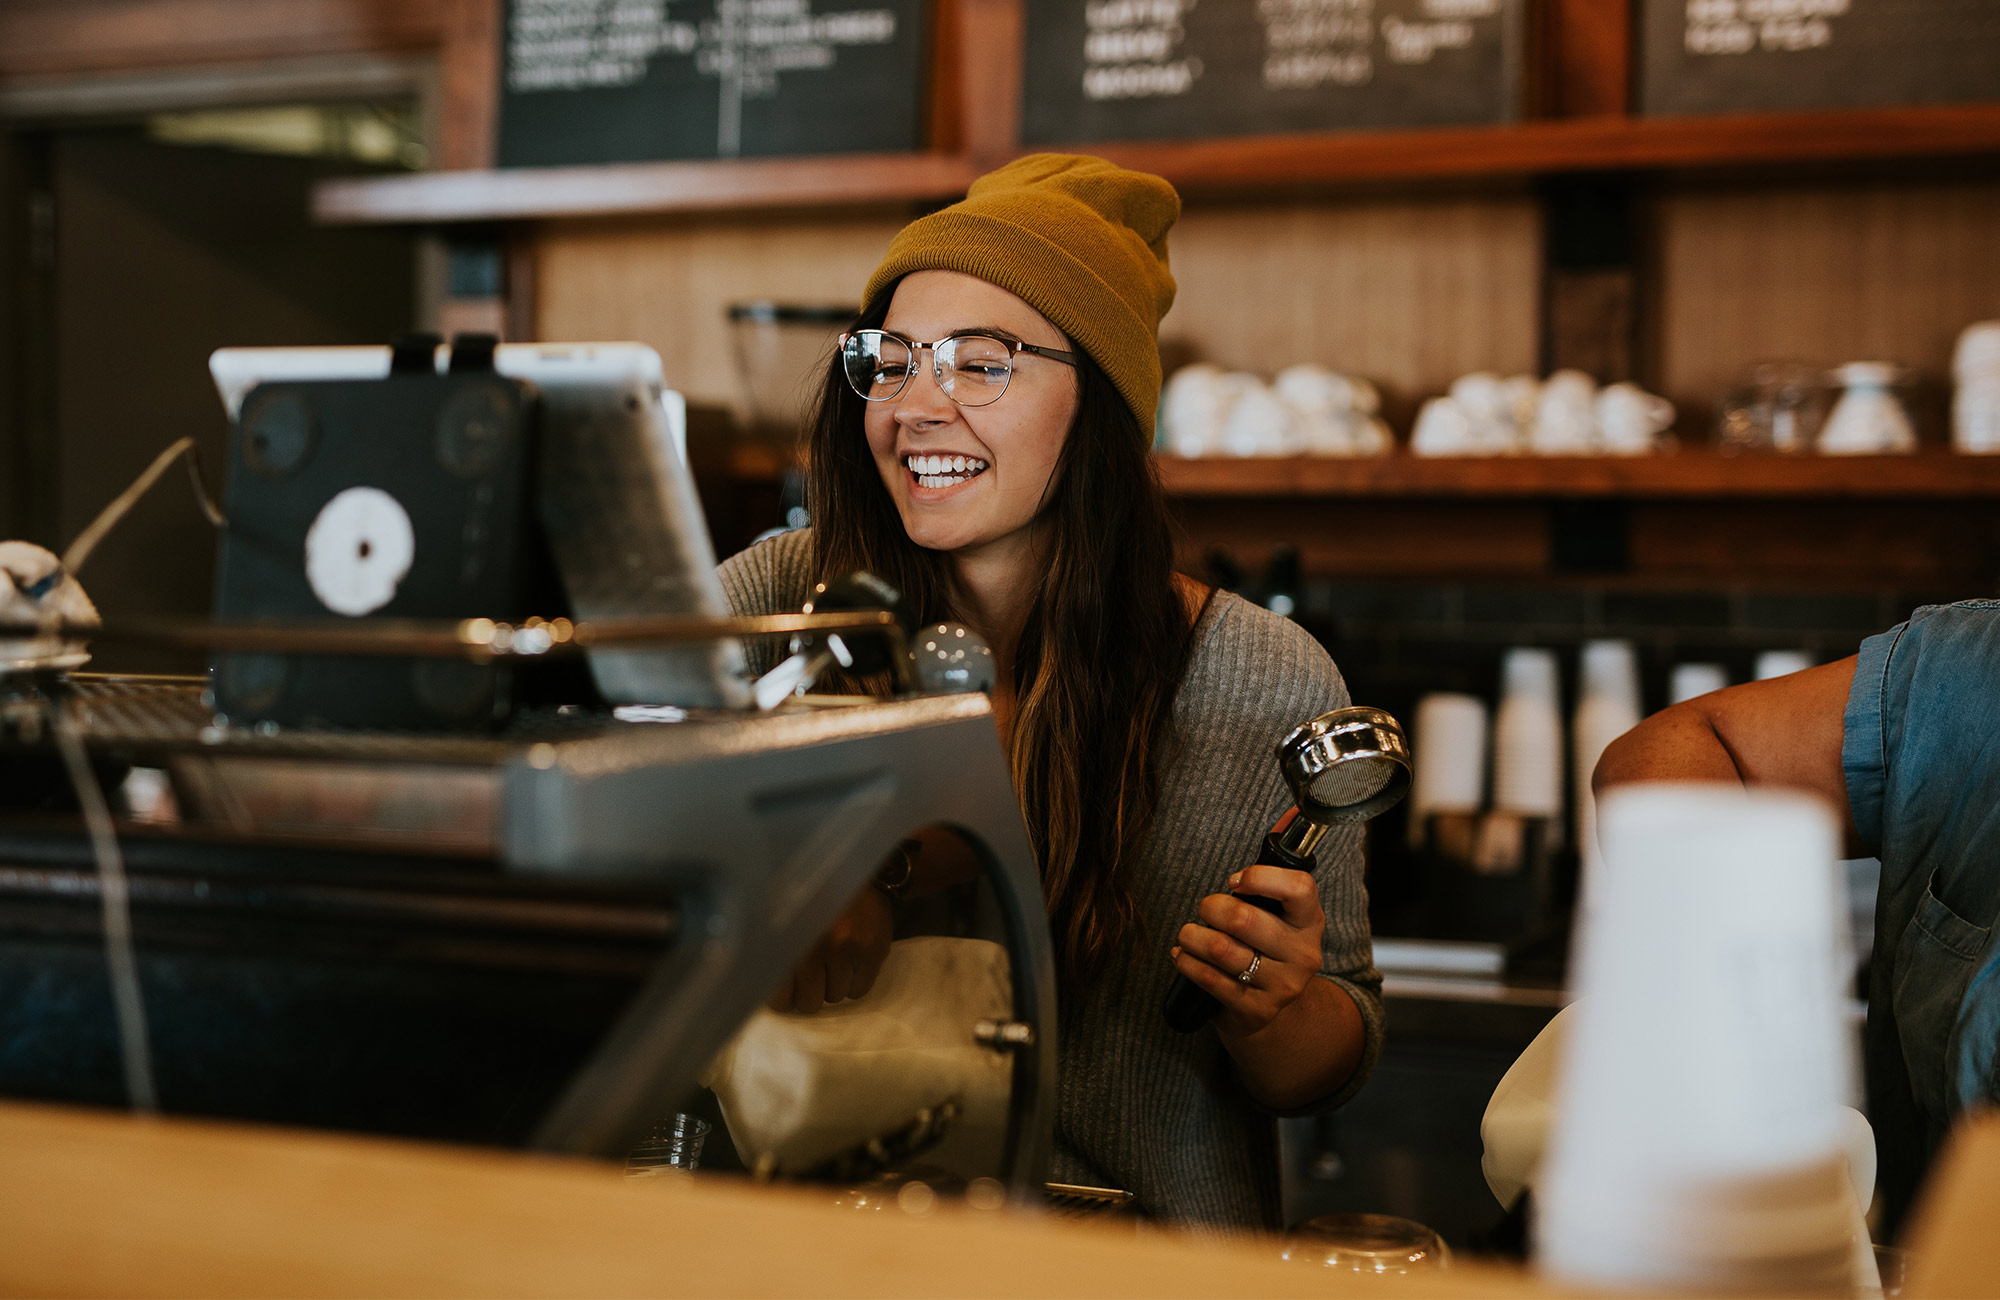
1718,56
1141,69
601,81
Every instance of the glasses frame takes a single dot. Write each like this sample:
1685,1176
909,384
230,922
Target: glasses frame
1015,347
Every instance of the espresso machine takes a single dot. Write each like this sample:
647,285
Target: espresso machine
408,886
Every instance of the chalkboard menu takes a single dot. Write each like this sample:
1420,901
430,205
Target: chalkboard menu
1718,56
599,81
1139,69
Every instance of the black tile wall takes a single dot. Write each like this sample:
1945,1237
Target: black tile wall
1394,641
1629,609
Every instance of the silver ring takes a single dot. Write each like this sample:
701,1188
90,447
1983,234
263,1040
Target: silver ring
1256,960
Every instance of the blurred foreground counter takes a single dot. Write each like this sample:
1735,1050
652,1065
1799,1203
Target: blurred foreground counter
95,1203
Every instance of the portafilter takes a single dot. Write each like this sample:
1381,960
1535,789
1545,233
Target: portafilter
1345,766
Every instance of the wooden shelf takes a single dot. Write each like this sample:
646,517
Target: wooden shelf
1224,165
542,192
1604,143
1687,474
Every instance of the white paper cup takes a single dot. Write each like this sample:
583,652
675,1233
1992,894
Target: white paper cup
1450,755
1699,1136
1607,707
1528,737
1780,663
1690,680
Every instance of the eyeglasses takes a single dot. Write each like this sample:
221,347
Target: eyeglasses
972,369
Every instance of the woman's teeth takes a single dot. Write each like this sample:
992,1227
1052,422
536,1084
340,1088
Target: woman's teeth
943,471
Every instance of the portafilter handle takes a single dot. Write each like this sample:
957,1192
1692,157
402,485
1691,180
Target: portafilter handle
1343,767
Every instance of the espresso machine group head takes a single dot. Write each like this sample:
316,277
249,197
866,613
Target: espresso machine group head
1342,767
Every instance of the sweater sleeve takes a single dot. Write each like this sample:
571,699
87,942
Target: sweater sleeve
1347,953
1264,676
771,577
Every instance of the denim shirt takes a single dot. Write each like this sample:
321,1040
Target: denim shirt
1921,754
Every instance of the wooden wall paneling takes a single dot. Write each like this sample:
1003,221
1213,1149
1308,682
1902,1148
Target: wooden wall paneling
669,283
470,58
52,38
1587,57
1411,293
1822,273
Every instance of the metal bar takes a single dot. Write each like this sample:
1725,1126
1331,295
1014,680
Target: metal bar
472,638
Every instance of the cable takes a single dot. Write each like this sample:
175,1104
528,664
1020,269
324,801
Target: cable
114,895
107,518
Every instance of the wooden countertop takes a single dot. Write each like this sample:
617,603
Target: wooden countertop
96,1203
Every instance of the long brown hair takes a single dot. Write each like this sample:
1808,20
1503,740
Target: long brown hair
1100,658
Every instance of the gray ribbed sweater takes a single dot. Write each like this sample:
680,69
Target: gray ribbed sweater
1138,1105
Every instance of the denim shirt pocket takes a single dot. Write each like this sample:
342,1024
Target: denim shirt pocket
1934,964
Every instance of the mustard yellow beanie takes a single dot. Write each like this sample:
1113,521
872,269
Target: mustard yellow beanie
1082,241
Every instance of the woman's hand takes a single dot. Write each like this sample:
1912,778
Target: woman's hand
1231,932
845,961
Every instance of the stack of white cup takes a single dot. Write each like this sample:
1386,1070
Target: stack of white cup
1528,737
1698,1138
1607,707
1450,754
1780,663
1690,680
1975,407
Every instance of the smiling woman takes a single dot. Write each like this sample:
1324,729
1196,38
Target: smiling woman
999,475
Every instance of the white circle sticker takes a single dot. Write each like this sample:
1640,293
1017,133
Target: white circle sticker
358,550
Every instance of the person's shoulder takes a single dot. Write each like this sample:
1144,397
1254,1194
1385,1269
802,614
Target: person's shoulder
1964,618
1250,666
1938,640
771,576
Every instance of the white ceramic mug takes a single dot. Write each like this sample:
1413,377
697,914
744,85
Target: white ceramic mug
1442,430
1630,419
1868,420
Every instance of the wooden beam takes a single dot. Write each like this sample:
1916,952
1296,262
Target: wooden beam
944,100
1588,53
55,38
989,79
469,125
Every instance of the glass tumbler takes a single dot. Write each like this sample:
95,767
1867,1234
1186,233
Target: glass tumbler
1776,406
673,1146
1366,1243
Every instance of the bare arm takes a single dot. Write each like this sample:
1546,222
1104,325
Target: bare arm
1783,732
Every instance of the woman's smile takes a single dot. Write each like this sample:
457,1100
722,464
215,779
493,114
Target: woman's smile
939,475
